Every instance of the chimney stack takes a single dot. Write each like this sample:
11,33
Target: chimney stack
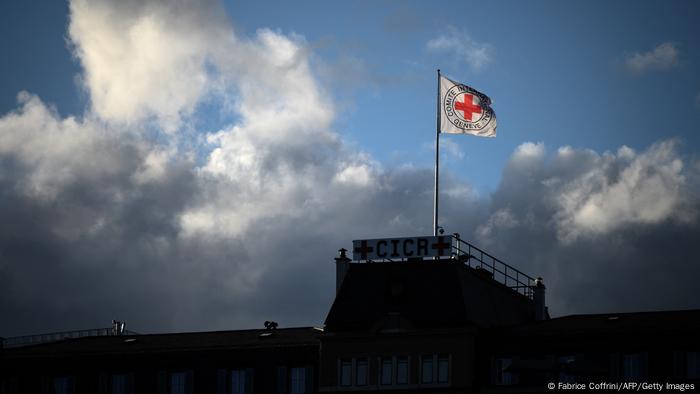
538,299
342,264
118,327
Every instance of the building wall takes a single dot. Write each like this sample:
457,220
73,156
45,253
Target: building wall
269,371
457,345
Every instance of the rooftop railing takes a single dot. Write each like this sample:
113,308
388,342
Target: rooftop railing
483,262
501,272
27,340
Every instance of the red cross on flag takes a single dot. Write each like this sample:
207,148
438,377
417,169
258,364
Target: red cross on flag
465,110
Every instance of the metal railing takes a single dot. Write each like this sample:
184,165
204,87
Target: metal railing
487,264
27,340
499,271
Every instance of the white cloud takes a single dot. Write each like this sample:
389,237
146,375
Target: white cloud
448,149
590,195
55,152
147,59
529,151
461,46
645,189
663,57
501,219
451,148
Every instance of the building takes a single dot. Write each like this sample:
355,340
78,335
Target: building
268,360
423,314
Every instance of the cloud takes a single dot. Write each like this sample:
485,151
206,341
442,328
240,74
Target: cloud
663,57
452,148
104,220
604,230
147,59
591,195
623,189
462,47
109,221
449,150
502,218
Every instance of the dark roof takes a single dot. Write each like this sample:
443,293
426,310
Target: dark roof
191,341
420,295
611,323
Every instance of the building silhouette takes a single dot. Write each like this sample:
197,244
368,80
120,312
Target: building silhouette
462,322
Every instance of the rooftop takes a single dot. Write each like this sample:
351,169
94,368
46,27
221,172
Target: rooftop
191,341
611,323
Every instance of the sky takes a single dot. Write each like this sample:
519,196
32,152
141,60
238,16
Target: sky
196,165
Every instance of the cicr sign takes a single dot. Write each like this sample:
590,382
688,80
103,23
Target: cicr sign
399,248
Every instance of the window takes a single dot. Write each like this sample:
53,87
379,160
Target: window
345,372
565,375
426,369
503,377
281,380
9,385
298,380
242,381
402,370
361,372
63,385
692,365
178,383
118,384
633,366
387,369
443,372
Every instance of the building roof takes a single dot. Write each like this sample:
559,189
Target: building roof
420,295
612,323
192,341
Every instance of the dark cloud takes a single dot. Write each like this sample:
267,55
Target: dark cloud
610,232
94,232
112,247
103,221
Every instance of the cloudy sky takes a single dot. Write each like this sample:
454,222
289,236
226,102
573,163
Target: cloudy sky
195,165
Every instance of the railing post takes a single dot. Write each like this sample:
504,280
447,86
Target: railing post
455,236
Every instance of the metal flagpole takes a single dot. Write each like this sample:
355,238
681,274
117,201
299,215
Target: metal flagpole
437,159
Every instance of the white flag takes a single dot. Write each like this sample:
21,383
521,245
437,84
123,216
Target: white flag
465,110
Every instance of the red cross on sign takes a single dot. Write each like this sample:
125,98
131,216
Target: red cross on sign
468,107
440,246
363,249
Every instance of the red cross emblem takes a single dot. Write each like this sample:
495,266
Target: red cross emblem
468,107
363,250
440,245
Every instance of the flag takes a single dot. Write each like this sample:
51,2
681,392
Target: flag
465,110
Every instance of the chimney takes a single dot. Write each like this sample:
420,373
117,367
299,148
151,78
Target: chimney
118,327
342,264
271,325
538,299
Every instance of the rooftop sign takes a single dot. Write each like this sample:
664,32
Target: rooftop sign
401,248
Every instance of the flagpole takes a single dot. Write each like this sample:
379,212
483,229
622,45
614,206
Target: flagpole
437,159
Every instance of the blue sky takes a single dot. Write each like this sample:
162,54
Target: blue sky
556,71
196,165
